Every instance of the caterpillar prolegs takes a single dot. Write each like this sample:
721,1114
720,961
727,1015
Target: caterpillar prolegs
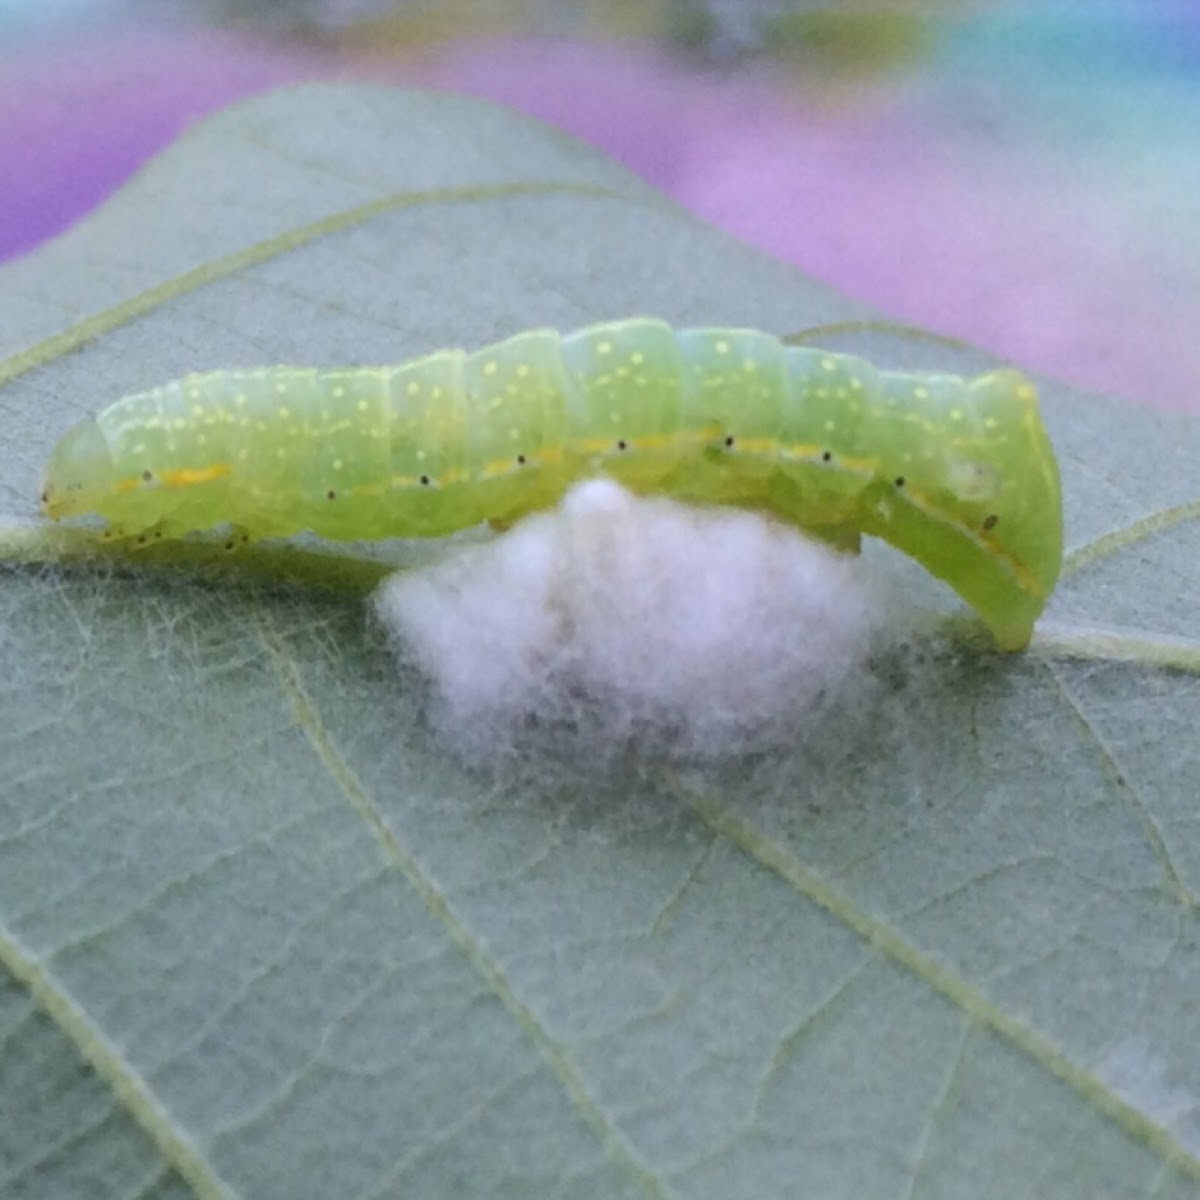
958,473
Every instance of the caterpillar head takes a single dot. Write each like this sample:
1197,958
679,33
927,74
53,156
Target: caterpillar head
80,472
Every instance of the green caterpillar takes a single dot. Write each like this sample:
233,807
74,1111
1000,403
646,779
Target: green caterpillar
958,473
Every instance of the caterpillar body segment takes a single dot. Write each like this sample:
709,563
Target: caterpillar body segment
958,473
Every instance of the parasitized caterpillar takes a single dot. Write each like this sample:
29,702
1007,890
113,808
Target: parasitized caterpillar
957,473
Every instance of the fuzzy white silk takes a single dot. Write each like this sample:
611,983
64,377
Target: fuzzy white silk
634,623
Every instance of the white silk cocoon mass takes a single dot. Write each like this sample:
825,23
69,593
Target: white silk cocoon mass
617,624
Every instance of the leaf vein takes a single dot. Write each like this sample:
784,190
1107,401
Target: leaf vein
114,1068
945,982
489,970
105,321
1154,835
940,1108
1129,535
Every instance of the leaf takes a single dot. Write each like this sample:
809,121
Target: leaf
261,935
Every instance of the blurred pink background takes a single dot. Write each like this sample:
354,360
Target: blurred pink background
1030,185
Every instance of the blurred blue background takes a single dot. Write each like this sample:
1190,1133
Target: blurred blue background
1024,175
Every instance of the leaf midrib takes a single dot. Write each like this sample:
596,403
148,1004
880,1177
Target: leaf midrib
105,321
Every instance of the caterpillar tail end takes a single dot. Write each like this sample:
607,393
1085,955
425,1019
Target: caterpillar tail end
1010,638
1008,613
79,473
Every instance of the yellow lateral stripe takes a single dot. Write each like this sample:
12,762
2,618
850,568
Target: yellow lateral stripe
765,447
664,441
1024,577
181,478
189,476
811,452
651,441
501,467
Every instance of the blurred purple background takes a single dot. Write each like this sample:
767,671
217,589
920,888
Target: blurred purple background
1021,175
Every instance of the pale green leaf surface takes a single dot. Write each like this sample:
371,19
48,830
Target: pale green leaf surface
261,935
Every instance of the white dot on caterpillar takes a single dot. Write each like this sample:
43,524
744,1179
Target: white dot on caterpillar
284,412
828,364
490,367
956,414
1025,392
855,384
749,366
280,452
921,393
337,464
522,369
637,358
721,346
193,393
990,422
363,406
830,426
243,454
338,392
513,434
240,400
280,389
413,388
604,347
